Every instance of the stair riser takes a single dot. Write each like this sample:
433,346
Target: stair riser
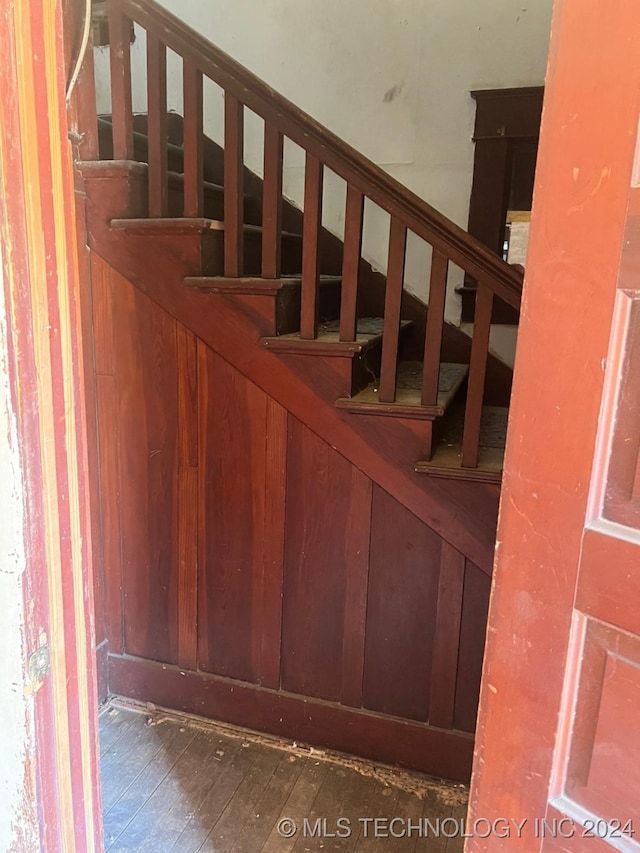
441,425
288,304
175,158
116,190
213,254
366,366
351,374
213,203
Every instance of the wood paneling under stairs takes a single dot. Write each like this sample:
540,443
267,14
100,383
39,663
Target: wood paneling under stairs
323,557
143,430
253,573
237,419
235,327
401,611
174,784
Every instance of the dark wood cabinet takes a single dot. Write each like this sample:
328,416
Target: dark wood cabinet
506,135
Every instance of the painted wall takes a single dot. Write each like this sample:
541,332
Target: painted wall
17,827
392,77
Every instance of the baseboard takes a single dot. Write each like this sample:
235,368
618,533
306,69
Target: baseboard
415,746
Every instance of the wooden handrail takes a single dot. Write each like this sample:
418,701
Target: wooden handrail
401,203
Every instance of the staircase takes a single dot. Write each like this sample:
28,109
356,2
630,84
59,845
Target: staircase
241,255
406,399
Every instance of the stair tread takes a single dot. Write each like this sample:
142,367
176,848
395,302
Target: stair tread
178,178
297,279
408,392
369,330
250,284
447,455
181,225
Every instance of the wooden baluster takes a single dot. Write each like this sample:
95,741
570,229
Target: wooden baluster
392,309
310,241
272,202
193,140
121,105
477,372
233,186
157,125
435,322
351,263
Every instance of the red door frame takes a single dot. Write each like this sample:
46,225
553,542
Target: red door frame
581,196
43,373
589,131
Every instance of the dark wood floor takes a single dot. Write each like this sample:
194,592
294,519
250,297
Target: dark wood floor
173,783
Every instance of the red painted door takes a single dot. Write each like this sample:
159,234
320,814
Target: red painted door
558,747
595,781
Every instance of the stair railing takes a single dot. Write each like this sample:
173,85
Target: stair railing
364,180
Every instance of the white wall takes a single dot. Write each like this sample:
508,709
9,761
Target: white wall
17,823
392,77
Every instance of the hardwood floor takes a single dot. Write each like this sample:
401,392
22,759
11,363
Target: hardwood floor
176,783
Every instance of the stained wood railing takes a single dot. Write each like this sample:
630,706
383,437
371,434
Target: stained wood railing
323,149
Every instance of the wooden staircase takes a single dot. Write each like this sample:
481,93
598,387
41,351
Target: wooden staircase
409,401
241,245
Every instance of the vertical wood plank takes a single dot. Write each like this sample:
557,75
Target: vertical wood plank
204,403
147,412
269,589
477,373
186,346
392,309
108,541
233,186
447,639
319,503
85,295
351,262
473,629
157,125
272,202
187,563
232,509
313,179
186,557
357,545
121,102
401,610
110,490
102,314
193,140
435,322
